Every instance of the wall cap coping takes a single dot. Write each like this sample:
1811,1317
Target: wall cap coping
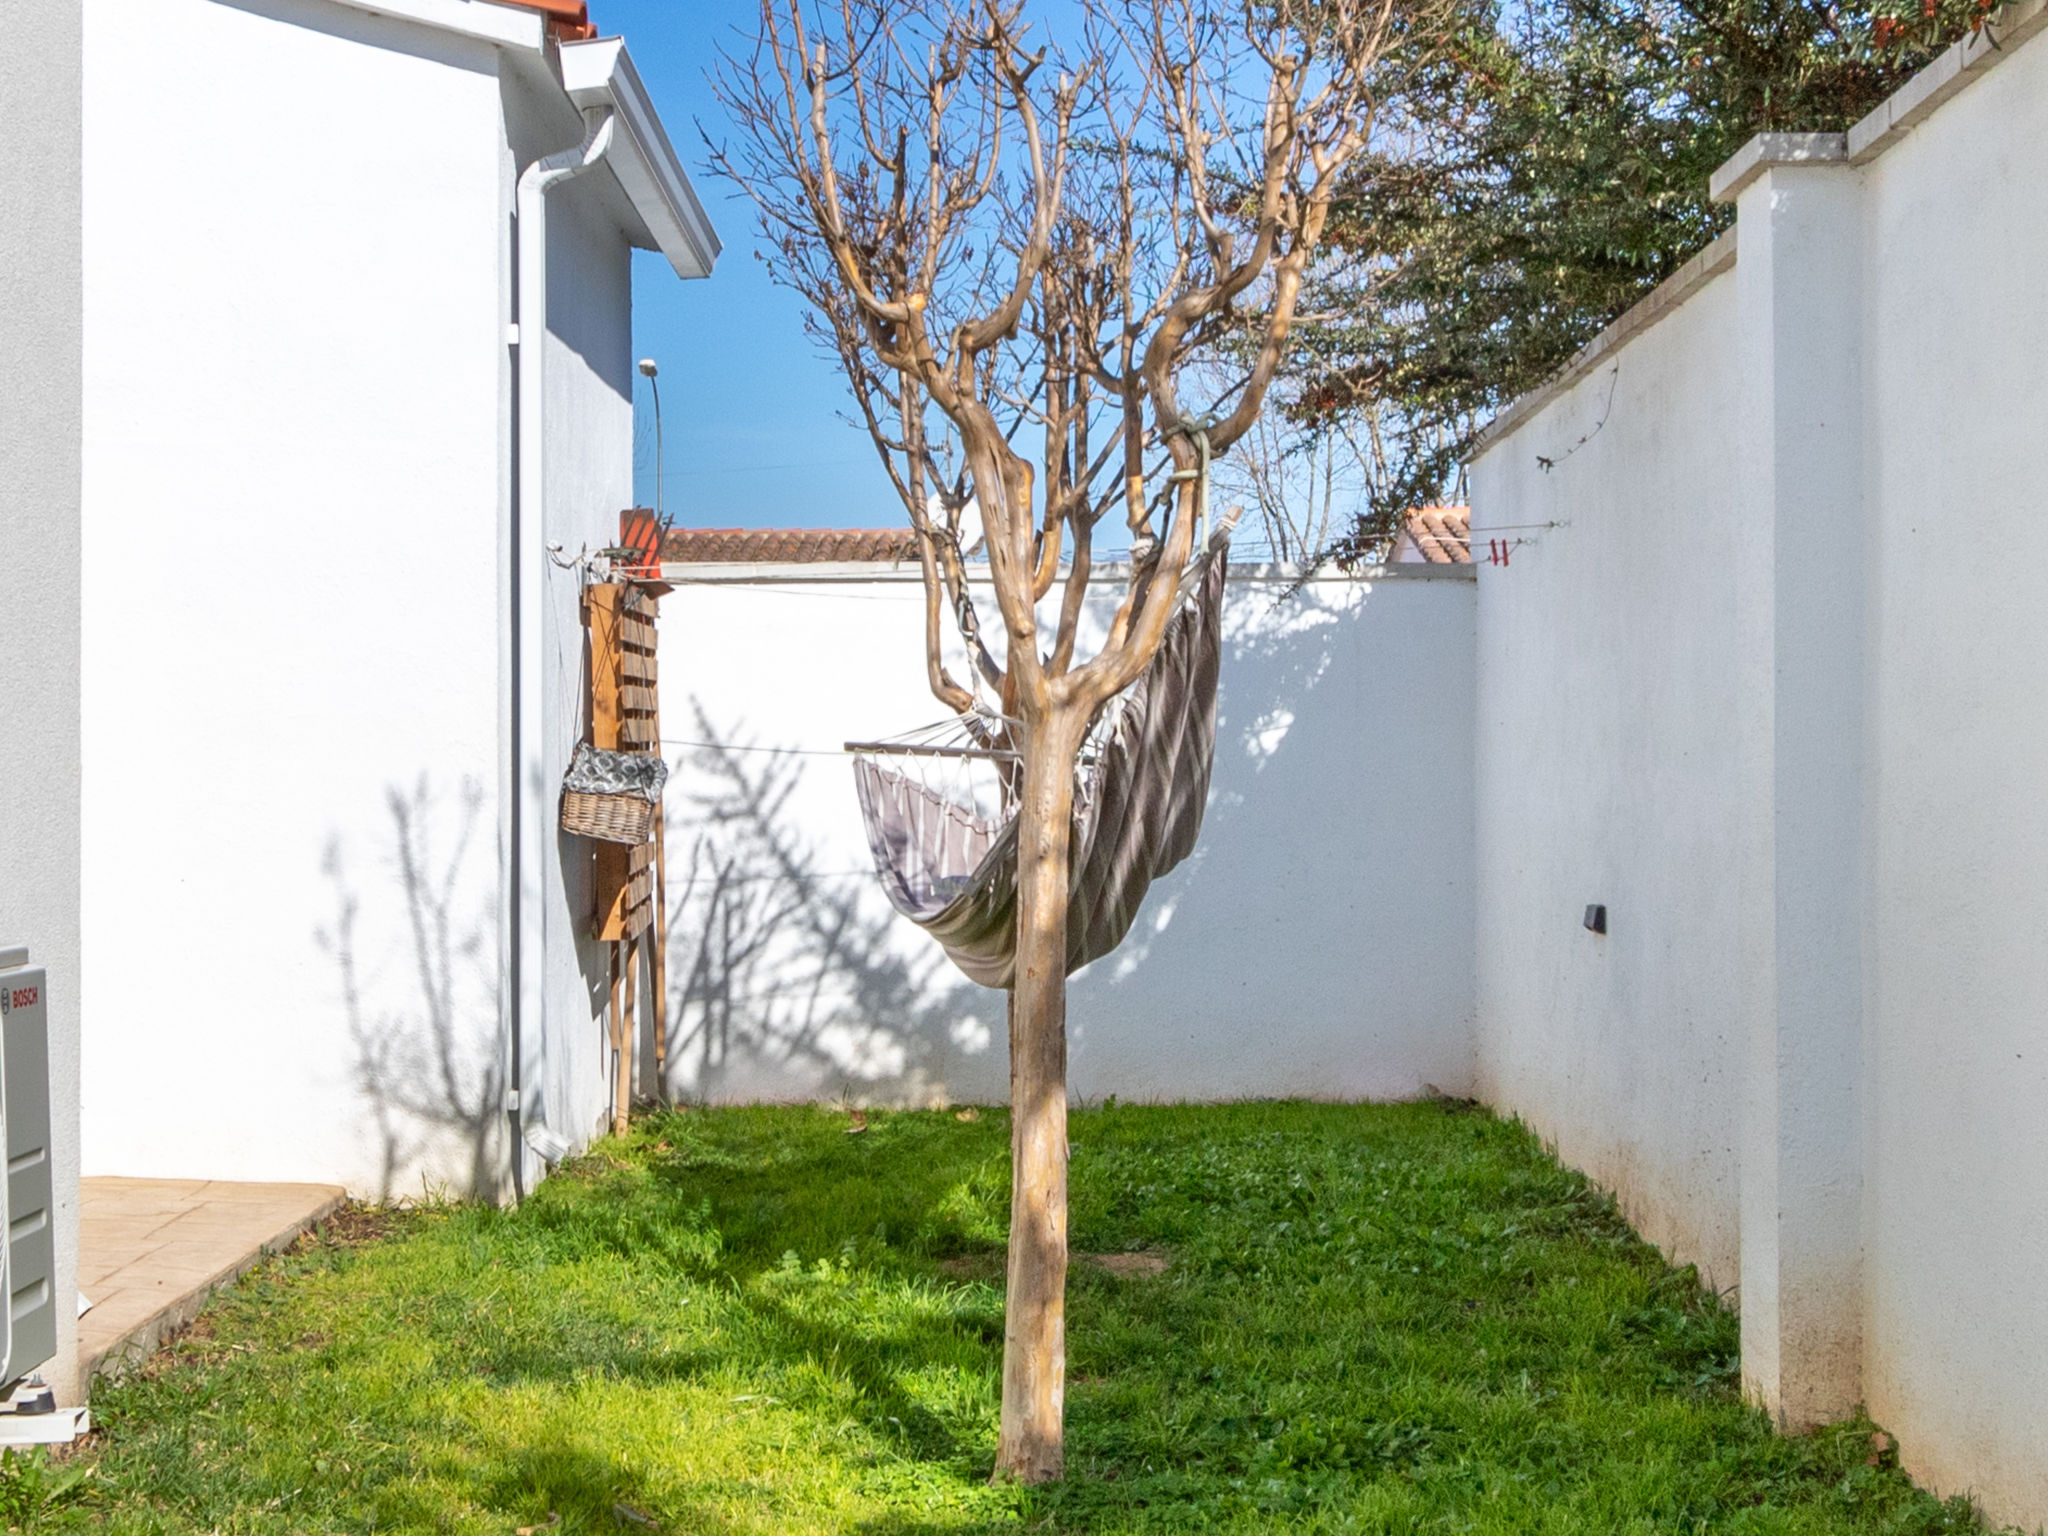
1899,112
1767,150
1659,302
1911,103
907,572
1908,106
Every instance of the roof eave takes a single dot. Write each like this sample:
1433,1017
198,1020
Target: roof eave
507,26
600,73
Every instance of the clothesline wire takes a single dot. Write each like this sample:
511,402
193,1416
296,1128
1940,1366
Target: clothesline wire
729,746
913,587
801,878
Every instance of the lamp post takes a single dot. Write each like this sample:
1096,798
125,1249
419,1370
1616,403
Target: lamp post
647,367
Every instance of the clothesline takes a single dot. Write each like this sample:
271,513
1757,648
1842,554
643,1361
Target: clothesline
729,746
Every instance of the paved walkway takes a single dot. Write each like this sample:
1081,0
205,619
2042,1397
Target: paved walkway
150,1251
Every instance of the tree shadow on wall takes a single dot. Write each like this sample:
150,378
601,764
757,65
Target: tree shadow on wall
789,974
421,996
1285,709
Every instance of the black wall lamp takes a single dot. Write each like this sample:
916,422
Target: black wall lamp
1596,918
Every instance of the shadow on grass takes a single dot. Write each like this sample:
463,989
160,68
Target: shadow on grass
825,1253
562,1491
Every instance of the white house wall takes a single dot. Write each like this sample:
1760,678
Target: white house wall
41,434
1956,1053
589,479
295,332
1318,942
1623,739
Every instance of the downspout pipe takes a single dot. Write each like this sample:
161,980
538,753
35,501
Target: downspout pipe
525,826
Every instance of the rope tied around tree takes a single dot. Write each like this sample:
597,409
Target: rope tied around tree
1196,427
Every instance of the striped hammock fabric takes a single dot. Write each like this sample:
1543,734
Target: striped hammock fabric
1138,809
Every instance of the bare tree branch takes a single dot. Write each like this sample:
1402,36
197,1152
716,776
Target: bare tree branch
1002,240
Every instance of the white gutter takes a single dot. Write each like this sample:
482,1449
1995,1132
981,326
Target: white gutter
600,73
526,822
664,212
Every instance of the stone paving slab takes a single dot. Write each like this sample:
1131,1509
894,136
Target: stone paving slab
151,1251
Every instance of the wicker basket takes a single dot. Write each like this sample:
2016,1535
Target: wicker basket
612,796
608,818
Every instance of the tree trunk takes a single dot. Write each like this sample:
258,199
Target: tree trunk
1031,1448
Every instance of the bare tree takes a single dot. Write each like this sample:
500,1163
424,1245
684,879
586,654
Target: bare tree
1304,481
1003,243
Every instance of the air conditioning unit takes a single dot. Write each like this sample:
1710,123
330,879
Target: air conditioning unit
28,1259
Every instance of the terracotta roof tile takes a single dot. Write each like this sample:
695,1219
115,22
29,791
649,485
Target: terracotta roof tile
568,20
793,546
1435,536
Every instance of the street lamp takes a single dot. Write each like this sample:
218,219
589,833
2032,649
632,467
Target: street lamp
647,367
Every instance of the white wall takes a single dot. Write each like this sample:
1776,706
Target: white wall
1957,1056
1623,749
590,478
565,1053
1775,691
1318,943
41,322
294,344
300,438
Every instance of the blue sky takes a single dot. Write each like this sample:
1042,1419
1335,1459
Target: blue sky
750,410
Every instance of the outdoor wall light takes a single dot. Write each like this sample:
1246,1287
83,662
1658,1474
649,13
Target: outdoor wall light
1596,918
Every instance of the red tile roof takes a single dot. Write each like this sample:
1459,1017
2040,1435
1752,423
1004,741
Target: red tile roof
776,546
1435,536
568,20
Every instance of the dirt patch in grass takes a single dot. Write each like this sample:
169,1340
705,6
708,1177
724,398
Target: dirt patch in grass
989,1266
1128,1264
352,1226
195,1342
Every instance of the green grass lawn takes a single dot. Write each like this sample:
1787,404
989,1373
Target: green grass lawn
1398,1319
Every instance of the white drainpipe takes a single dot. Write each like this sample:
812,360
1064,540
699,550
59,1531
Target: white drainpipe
526,822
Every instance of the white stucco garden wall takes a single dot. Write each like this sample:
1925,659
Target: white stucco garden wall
1955,1047
1774,691
299,438
1623,751
41,436
1318,943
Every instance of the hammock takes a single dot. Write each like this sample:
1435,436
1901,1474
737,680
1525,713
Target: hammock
948,858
